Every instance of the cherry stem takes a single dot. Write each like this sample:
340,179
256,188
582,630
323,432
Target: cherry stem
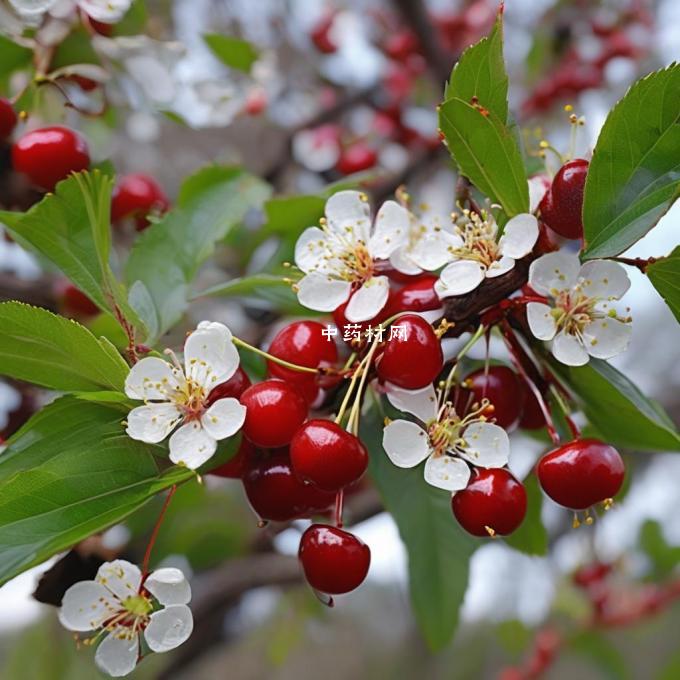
154,533
339,505
575,430
256,350
464,350
639,262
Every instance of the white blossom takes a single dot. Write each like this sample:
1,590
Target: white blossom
105,11
578,316
121,606
174,395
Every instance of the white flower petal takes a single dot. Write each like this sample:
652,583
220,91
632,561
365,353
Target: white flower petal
420,403
538,186
152,423
500,267
169,628
569,350
605,338
603,279
120,577
169,586
191,445
391,230
486,445
402,261
210,356
554,271
433,250
446,472
30,8
322,293
459,278
541,321
520,236
310,250
85,606
106,11
116,655
151,378
349,216
224,418
405,443
368,300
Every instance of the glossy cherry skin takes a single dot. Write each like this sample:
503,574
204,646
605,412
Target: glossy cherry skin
275,410
324,454
334,561
413,357
581,473
73,302
532,416
493,498
50,154
234,387
276,493
562,204
136,196
348,329
237,466
355,158
418,296
8,118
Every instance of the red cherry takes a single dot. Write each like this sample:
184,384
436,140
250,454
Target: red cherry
418,296
493,499
234,387
349,330
334,561
413,356
591,574
49,155
276,493
137,196
256,102
85,84
320,35
236,466
275,410
401,45
324,454
532,415
355,158
8,118
581,473
562,204
73,302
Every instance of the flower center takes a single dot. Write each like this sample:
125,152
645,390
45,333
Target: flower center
190,399
573,311
446,432
137,605
357,263
479,240
132,618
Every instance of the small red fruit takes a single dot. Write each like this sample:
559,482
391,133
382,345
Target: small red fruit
581,473
236,466
413,356
562,204
532,415
327,456
355,158
592,574
8,118
418,296
334,561
275,410
234,387
321,37
136,196
73,302
354,333
50,154
494,502
276,493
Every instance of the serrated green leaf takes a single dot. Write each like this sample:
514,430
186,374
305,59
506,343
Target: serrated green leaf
618,409
486,153
634,176
54,352
665,277
69,472
234,52
531,537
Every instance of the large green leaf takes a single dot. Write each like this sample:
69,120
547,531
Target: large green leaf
167,256
486,153
531,537
617,408
233,52
634,176
665,277
480,72
438,549
54,352
69,472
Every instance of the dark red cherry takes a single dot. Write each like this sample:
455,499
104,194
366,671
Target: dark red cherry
562,204
581,473
276,493
493,502
50,154
73,302
137,196
532,415
275,410
334,561
356,157
501,386
591,574
237,466
84,83
353,333
324,454
321,37
401,45
413,354
234,387
418,296
8,118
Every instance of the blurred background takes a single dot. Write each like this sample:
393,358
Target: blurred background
335,89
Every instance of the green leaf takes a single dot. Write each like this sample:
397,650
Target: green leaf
486,152
663,557
438,550
54,352
69,472
531,537
634,176
480,72
665,277
13,57
617,408
233,52
166,257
